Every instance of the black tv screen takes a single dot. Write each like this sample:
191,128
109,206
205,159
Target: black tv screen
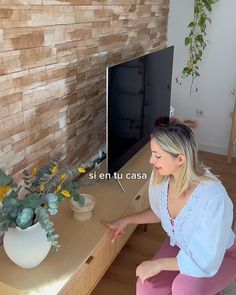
138,98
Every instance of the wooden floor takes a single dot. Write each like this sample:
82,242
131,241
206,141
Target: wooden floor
120,277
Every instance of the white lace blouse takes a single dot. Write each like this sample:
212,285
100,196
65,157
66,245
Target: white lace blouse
202,230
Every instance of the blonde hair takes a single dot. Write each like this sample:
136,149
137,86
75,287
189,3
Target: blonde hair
178,139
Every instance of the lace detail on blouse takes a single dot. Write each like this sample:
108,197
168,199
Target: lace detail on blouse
176,225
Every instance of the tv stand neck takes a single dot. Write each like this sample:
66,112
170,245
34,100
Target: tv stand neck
121,186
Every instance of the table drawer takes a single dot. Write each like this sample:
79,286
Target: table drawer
120,242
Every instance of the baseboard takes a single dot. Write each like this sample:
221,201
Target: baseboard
220,150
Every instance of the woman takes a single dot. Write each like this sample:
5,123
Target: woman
199,256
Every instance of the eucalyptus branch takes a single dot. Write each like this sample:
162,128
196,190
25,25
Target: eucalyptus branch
46,188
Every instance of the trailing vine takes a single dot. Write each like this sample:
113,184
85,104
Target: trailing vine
196,40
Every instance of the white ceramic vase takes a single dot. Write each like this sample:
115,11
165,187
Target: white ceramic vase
85,212
26,247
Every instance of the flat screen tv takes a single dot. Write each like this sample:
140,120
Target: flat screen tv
138,98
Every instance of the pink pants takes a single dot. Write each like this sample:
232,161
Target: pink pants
172,282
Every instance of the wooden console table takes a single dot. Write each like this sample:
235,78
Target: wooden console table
86,251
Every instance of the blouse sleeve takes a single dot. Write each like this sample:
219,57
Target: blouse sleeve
206,248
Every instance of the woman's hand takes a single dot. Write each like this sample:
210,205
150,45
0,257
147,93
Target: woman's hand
148,269
117,226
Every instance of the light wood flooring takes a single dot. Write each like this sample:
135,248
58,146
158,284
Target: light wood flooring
120,278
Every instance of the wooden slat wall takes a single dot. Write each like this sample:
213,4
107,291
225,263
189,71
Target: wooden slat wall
53,55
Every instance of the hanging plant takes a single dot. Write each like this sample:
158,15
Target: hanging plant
196,40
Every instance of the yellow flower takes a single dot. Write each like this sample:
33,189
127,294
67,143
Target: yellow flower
3,190
34,171
54,170
63,175
41,187
65,194
58,187
81,170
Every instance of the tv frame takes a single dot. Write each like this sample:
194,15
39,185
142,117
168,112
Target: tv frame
141,143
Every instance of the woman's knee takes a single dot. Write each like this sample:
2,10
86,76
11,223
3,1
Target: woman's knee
142,289
185,285
152,287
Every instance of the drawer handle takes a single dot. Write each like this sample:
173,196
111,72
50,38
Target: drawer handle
137,198
89,259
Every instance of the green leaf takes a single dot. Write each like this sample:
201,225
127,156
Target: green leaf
208,19
212,1
25,218
78,198
5,179
13,195
32,201
187,41
5,222
196,9
199,38
207,5
191,25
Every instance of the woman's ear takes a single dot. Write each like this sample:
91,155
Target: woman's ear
180,160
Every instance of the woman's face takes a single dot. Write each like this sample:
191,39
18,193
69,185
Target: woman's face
163,162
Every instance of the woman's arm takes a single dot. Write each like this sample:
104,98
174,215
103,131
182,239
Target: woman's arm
169,264
147,216
118,225
151,268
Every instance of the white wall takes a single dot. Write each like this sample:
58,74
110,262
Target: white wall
217,73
